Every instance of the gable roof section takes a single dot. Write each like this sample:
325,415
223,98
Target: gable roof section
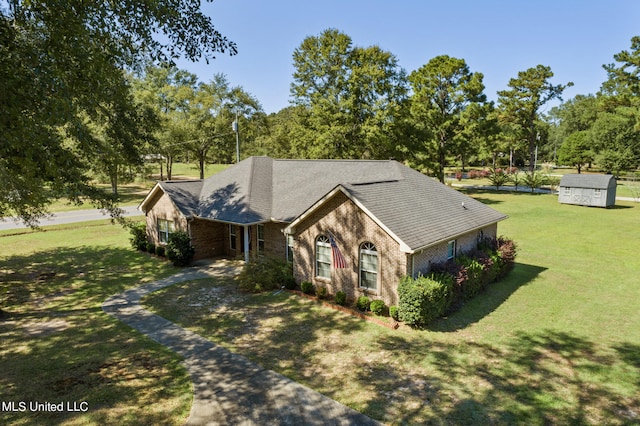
576,180
415,210
183,194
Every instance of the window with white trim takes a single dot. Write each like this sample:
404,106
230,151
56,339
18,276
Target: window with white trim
368,266
232,237
289,248
451,249
567,190
260,232
597,193
165,228
323,257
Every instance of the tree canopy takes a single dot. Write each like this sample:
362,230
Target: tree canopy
63,63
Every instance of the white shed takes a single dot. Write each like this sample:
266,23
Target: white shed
588,190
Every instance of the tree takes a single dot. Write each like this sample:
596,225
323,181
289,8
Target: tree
520,105
576,150
350,98
447,98
63,61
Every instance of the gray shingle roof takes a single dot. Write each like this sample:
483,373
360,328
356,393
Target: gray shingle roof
414,207
587,181
184,194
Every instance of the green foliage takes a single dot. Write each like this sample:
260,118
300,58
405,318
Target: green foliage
179,249
341,298
138,236
363,303
422,300
58,122
520,105
393,312
151,248
576,150
321,292
306,287
498,177
447,100
265,273
534,180
378,307
348,99
160,251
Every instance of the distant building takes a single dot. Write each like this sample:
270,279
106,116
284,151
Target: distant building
588,190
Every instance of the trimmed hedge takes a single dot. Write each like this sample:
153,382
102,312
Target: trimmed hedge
363,303
449,284
179,249
378,307
341,298
306,287
138,237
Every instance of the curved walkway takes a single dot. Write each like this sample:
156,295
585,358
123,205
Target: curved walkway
228,388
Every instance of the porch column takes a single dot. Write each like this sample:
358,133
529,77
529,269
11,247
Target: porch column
246,243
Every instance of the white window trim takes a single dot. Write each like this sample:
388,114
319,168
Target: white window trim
322,241
455,246
567,190
375,253
164,231
260,230
290,240
597,193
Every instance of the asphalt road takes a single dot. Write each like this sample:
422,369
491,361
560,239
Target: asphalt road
67,217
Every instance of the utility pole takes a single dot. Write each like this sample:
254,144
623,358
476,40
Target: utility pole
234,126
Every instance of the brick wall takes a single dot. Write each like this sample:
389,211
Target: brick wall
352,227
438,253
163,208
208,238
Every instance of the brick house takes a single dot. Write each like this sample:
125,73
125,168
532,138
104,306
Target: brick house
386,220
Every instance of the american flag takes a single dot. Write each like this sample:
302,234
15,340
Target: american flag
338,259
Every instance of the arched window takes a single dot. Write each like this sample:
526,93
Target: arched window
368,266
323,257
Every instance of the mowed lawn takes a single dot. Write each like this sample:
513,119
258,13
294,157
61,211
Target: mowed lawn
57,345
557,342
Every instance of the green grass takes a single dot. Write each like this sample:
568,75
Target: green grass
57,343
557,342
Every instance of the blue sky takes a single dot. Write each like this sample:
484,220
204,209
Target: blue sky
495,37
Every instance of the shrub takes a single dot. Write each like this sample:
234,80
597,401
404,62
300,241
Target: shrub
534,180
179,249
138,237
306,287
378,307
264,274
422,300
393,312
160,251
341,298
498,178
363,303
321,292
151,248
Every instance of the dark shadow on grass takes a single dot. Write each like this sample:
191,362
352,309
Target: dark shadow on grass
488,301
90,356
546,377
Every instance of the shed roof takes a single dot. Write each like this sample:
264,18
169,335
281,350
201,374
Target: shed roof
595,181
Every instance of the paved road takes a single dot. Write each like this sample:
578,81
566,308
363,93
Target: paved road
68,217
228,389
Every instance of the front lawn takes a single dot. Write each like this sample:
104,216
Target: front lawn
557,342
59,346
